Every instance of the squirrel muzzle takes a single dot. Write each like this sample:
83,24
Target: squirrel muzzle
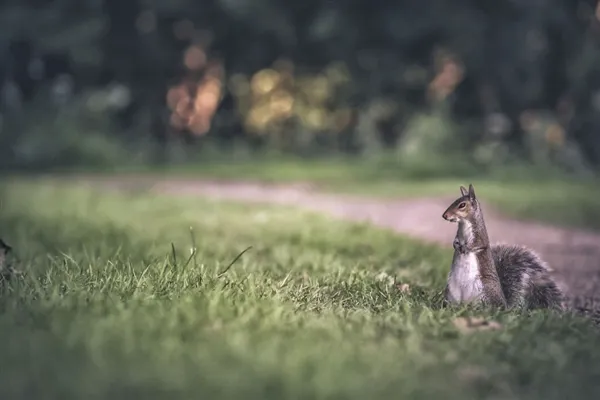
449,217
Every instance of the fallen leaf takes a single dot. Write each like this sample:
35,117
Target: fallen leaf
471,324
403,288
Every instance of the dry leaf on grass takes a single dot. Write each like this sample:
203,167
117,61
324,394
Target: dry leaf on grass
471,324
403,287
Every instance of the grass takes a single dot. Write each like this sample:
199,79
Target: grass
107,309
520,192
524,193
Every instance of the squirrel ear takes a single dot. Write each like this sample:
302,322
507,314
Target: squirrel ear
471,191
463,191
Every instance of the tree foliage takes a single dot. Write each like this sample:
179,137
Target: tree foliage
512,77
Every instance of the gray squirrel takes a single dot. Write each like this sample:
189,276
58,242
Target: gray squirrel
496,275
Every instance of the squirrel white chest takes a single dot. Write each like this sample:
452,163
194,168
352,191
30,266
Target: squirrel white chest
464,282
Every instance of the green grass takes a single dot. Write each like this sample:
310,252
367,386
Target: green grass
522,192
310,312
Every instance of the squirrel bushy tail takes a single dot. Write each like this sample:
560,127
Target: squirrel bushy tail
525,278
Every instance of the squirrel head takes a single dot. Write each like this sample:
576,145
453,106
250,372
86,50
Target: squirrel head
463,208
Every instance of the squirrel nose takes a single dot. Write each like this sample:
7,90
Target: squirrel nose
445,215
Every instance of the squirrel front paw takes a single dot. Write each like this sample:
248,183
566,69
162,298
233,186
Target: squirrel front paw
459,246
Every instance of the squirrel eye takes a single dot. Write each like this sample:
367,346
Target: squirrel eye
461,205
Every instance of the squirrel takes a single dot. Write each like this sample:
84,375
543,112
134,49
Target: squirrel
498,275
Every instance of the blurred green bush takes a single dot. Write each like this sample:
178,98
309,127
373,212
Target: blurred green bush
433,86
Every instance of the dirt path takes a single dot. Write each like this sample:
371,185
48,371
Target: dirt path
574,255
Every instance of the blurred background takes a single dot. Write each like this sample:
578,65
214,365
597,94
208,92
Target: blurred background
463,85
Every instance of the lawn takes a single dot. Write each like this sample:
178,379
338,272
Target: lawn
131,296
525,193
521,192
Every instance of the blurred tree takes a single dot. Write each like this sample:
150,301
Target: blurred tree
492,61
